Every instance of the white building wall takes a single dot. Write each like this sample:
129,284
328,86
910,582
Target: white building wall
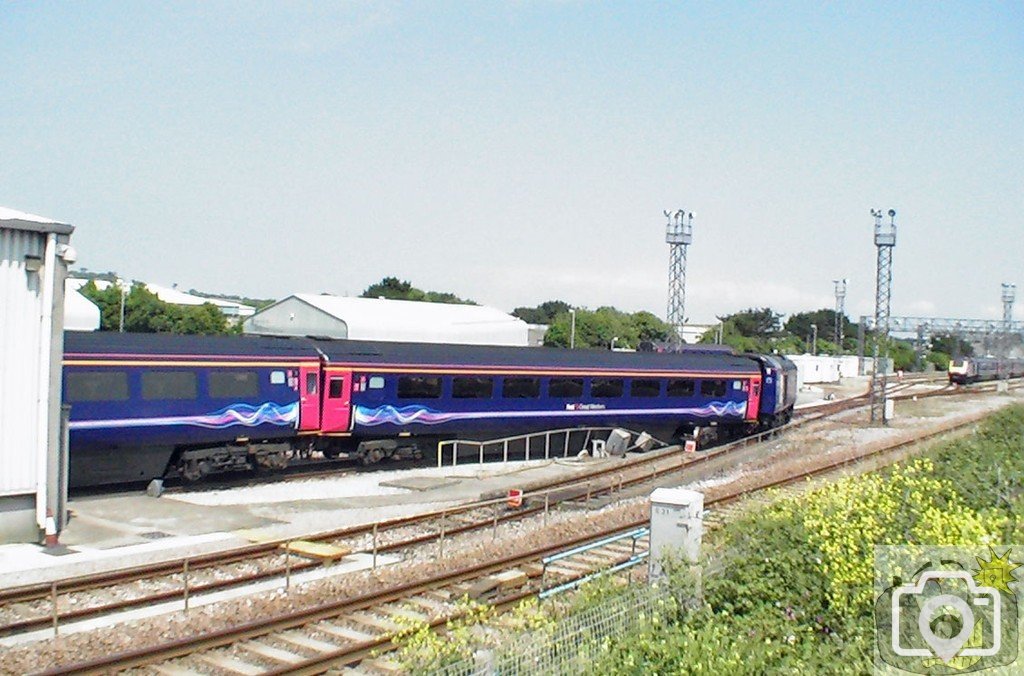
20,311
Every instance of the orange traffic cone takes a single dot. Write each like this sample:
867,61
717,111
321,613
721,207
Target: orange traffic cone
51,530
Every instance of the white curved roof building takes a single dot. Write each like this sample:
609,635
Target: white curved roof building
306,314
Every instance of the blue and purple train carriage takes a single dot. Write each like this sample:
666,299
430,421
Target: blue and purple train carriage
150,405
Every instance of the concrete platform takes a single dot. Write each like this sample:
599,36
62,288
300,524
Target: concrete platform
127,530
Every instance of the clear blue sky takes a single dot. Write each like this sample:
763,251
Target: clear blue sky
524,151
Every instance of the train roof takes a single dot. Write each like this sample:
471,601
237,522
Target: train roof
354,351
108,342
375,352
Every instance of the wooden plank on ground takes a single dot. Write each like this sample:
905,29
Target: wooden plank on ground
318,551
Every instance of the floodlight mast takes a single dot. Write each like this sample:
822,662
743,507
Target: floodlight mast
1009,295
840,289
885,241
678,235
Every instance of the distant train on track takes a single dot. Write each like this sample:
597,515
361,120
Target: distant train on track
145,406
973,369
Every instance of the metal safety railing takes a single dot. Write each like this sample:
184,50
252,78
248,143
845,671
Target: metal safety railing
635,558
481,447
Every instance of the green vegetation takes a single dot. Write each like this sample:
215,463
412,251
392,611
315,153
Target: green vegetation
396,289
599,328
144,312
786,589
793,588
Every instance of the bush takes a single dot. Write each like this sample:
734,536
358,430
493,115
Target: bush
789,588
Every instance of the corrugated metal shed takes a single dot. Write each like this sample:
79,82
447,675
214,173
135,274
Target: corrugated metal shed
390,320
32,271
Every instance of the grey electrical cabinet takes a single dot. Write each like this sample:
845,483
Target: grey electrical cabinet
677,525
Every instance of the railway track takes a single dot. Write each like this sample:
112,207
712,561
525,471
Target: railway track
183,578
333,635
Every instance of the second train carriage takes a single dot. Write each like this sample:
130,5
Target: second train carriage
145,405
967,370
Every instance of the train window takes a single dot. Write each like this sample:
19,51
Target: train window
644,388
96,386
311,380
419,387
376,383
565,387
681,387
469,387
336,388
713,388
605,388
277,378
520,388
240,384
169,385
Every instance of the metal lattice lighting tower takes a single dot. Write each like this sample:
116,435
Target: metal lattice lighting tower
840,286
885,240
678,235
1009,295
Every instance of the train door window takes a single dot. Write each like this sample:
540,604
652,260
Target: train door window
644,388
680,387
565,388
234,384
336,387
520,388
606,388
713,388
470,387
376,383
311,379
419,387
168,385
96,386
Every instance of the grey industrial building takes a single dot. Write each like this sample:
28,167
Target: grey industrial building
390,320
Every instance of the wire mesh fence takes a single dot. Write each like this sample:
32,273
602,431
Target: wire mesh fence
576,641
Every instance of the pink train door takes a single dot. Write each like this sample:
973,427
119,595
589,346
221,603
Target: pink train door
309,397
337,410
753,398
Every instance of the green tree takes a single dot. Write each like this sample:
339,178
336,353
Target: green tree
952,345
604,326
799,325
144,312
396,289
544,313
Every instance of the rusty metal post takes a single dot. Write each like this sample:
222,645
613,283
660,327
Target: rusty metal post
547,500
184,573
494,512
444,516
375,546
288,566
53,604
588,494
